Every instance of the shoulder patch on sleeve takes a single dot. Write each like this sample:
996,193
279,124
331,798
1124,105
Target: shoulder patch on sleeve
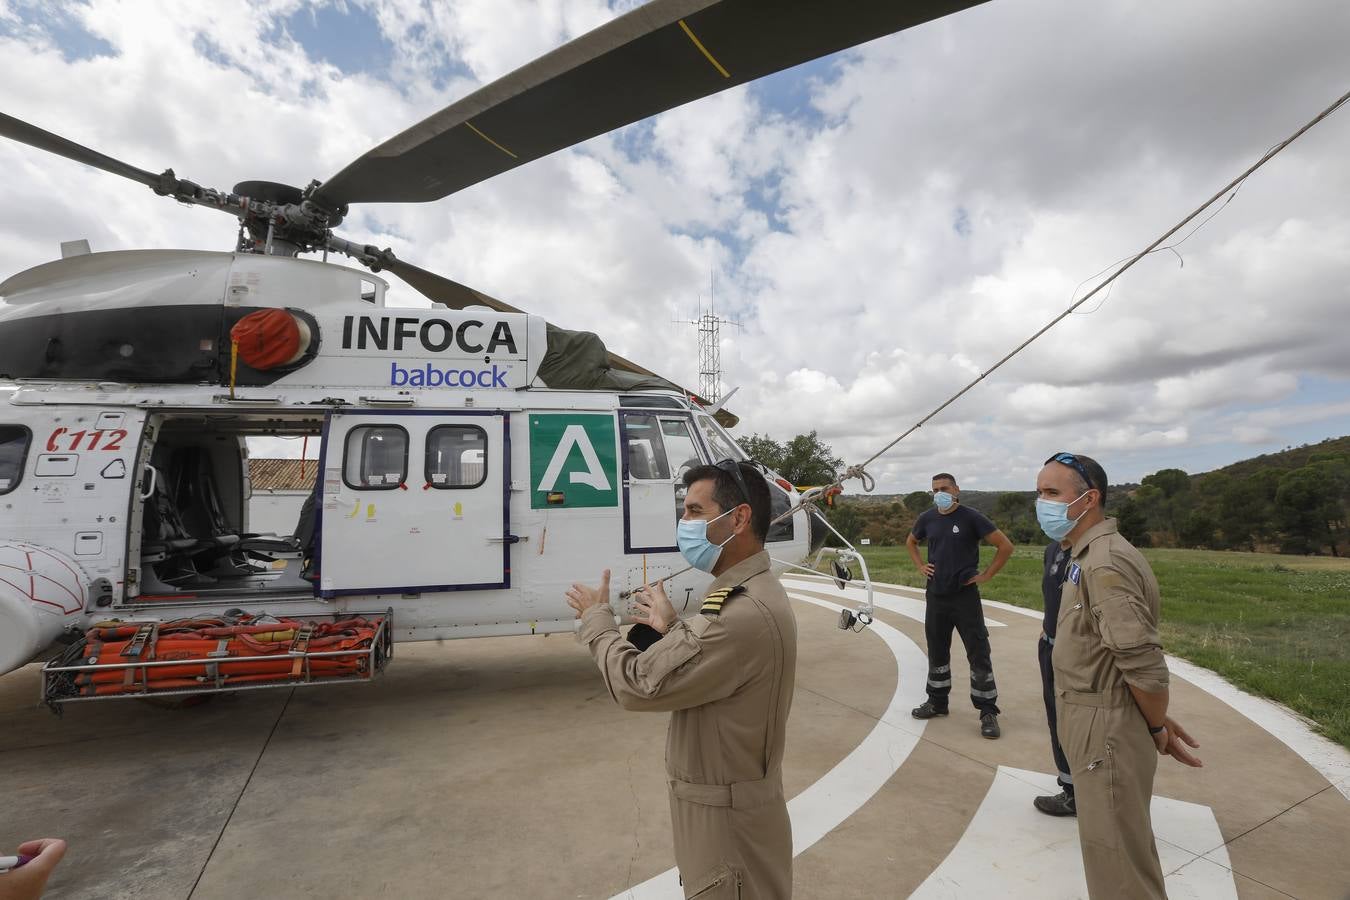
712,604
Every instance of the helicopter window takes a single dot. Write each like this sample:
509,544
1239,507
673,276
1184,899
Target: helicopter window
14,441
367,291
651,401
681,449
722,447
456,456
646,450
376,457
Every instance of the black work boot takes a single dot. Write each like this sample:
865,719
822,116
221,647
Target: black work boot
1061,804
927,711
989,725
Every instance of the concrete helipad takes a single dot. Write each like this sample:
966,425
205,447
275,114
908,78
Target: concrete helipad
500,768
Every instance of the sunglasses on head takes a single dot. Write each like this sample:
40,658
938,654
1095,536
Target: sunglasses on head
1072,462
733,468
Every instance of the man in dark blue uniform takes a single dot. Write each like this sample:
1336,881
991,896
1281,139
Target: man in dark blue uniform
1052,582
953,533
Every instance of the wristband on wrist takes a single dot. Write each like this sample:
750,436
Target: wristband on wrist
1158,730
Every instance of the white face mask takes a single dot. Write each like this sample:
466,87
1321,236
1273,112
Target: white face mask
691,535
1054,516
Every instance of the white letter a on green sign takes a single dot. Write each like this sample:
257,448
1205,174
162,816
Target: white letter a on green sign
593,476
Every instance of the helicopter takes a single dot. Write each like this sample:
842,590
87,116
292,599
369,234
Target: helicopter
473,458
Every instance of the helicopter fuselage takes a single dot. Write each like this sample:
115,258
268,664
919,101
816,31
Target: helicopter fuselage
451,490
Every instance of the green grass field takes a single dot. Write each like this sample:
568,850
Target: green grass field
1278,626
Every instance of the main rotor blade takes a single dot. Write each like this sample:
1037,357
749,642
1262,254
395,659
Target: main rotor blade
654,58
444,290
21,131
458,296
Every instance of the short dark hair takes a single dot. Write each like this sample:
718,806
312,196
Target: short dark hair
947,475
727,493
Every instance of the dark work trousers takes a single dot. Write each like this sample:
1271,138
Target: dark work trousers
963,612
1044,649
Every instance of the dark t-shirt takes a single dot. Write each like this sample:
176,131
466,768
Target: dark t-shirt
953,545
1052,584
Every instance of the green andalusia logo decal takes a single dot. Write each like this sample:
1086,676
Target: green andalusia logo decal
572,454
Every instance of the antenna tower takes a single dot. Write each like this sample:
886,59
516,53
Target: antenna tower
709,326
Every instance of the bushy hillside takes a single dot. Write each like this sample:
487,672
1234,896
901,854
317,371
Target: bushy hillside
1294,501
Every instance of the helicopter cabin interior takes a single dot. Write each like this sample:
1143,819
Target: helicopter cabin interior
193,524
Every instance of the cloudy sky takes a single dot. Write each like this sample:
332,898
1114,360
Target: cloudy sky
885,223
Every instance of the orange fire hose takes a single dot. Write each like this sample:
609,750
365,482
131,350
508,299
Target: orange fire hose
206,646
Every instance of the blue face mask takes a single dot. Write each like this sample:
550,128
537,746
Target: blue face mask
691,535
943,500
1054,517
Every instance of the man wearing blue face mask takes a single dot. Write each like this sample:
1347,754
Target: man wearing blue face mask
726,675
1110,682
953,533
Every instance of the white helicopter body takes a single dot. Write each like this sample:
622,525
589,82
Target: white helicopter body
452,491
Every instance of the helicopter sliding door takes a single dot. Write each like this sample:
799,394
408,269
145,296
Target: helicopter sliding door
657,450
414,502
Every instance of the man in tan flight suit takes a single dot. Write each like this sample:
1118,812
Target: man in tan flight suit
1110,682
726,675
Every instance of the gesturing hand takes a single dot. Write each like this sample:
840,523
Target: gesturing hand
581,598
652,606
1173,740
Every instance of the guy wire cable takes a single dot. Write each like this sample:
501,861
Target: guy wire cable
858,470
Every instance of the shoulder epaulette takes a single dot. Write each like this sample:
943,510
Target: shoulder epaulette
712,604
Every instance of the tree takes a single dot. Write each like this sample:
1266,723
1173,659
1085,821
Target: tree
1306,512
1132,524
807,460
1173,483
916,501
1170,481
845,517
763,449
1014,506
1197,529
1151,503
1243,511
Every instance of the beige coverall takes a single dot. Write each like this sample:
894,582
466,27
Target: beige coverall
1107,638
727,677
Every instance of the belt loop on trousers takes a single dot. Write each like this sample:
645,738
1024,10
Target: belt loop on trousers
741,795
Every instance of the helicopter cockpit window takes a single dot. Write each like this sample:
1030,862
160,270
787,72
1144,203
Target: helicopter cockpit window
376,458
681,448
456,456
646,450
722,447
14,441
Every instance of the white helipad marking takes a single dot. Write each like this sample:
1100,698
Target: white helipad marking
1288,727
1010,849
842,791
909,607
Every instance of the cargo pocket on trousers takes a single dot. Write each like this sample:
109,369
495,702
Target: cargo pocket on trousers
1107,766
721,883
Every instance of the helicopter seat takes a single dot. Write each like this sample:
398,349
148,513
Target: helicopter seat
204,517
167,550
